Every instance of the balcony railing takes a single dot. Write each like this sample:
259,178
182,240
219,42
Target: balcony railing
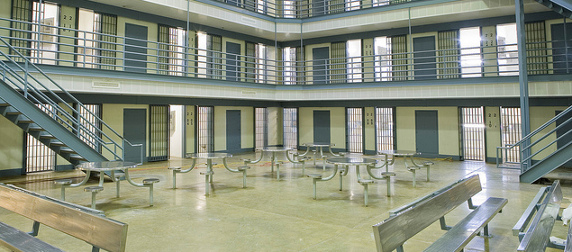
306,8
81,49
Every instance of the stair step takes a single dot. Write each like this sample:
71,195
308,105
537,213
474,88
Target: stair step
47,136
55,143
77,157
67,150
35,128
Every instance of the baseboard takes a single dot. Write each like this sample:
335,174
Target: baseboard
12,172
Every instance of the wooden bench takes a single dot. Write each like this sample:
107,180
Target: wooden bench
83,223
408,220
535,225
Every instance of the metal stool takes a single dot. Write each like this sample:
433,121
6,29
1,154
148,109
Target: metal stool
64,183
315,177
365,183
208,176
243,170
175,170
94,190
149,182
278,163
117,180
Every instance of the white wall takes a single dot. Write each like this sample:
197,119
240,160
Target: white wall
176,127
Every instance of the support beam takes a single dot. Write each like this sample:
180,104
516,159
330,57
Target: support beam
523,80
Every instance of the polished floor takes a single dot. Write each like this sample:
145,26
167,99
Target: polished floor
278,215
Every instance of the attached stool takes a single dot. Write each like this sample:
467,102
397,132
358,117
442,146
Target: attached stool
117,180
387,176
428,165
365,183
149,182
94,190
243,170
175,170
315,177
63,183
208,176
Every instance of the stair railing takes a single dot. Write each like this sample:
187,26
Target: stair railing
68,116
526,163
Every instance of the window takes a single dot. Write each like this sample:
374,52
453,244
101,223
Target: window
353,5
355,130
289,72
289,9
382,47
470,41
171,50
97,43
290,127
202,53
44,33
261,127
353,48
261,63
384,128
377,3
507,49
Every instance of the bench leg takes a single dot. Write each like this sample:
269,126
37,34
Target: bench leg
117,187
413,171
244,179
94,249
207,179
303,167
485,232
388,180
35,229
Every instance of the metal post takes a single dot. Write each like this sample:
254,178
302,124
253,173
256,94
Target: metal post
523,81
566,47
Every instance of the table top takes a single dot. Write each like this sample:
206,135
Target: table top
275,149
351,160
402,153
319,144
106,165
209,155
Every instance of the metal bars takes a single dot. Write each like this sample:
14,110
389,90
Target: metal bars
473,126
261,127
39,157
448,54
290,116
511,133
536,48
384,127
159,132
91,126
355,129
205,129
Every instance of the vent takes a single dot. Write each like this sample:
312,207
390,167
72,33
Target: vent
246,20
101,84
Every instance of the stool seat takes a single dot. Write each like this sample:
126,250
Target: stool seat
366,181
315,176
175,168
388,174
93,189
63,182
207,173
428,163
244,167
150,181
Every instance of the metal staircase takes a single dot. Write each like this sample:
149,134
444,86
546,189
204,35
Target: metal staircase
550,147
26,92
564,7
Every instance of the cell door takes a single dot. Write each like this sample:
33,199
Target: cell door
134,130
426,132
424,58
233,131
354,119
320,65
159,132
473,130
232,63
322,126
135,48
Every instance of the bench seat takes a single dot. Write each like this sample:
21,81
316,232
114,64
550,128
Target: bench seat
459,236
18,240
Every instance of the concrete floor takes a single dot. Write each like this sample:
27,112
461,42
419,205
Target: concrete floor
278,215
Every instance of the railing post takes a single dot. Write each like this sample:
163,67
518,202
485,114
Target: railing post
26,78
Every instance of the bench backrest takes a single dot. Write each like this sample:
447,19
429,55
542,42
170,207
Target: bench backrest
394,231
538,233
68,218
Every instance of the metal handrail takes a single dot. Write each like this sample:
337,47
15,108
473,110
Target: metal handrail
187,61
534,133
61,113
